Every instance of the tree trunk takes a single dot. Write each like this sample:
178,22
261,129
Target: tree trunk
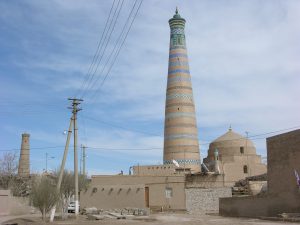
44,214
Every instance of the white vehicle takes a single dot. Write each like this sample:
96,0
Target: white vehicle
71,207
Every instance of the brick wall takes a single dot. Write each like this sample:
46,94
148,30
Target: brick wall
283,159
283,193
205,199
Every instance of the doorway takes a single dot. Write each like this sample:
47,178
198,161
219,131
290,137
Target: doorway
147,196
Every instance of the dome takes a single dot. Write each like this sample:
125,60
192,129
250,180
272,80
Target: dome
231,143
177,18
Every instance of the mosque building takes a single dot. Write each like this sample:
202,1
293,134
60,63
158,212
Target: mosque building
181,182
234,156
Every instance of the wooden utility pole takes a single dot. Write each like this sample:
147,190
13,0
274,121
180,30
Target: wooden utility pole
75,109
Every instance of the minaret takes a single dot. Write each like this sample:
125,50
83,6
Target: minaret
216,164
24,163
181,133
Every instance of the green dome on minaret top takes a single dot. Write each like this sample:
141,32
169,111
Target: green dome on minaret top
177,18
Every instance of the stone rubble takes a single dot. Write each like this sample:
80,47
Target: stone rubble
241,187
126,213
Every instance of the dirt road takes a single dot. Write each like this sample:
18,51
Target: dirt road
156,219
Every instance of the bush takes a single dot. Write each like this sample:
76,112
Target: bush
43,194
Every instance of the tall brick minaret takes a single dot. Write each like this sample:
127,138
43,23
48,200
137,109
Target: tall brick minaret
24,161
181,133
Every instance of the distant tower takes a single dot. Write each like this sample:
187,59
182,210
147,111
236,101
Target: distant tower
181,133
24,164
216,164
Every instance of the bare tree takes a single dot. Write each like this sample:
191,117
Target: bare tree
8,169
67,188
44,194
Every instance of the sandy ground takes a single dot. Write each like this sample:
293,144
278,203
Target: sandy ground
155,219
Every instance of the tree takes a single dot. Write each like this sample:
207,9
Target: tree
44,194
8,169
67,188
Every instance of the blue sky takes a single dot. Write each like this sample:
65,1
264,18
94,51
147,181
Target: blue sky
244,63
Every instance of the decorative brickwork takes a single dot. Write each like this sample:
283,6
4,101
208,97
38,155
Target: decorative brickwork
182,161
181,134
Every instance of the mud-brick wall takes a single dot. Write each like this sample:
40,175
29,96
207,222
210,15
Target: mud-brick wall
10,205
205,199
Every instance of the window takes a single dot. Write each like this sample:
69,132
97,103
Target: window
242,150
169,192
245,169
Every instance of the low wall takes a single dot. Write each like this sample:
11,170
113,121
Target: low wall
205,181
4,202
113,197
205,199
10,205
135,191
257,206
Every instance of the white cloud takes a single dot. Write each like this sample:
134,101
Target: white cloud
243,60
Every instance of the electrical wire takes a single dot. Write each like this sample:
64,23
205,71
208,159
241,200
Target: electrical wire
120,47
153,148
96,55
118,10
124,128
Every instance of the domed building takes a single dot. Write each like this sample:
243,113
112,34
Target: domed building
233,156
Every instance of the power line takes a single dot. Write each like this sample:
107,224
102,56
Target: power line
152,148
124,149
96,55
118,10
39,148
272,132
89,147
124,128
120,47
251,137
84,128
256,135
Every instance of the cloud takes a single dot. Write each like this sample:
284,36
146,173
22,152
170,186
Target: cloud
243,60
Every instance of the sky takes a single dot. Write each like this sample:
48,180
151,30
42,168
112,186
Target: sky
243,57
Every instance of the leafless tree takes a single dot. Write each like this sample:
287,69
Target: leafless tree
8,169
44,194
67,189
